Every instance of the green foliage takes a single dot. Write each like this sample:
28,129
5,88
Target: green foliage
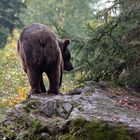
131,79
111,49
9,17
83,130
70,15
77,13
12,78
7,133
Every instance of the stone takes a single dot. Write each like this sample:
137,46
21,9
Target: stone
44,136
75,113
48,108
19,106
67,107
103,84
76,91
64,109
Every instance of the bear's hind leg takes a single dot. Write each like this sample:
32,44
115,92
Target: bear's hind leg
34,80
54,79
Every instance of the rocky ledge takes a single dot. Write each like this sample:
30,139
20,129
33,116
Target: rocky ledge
83,114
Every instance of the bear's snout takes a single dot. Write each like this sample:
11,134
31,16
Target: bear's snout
68,67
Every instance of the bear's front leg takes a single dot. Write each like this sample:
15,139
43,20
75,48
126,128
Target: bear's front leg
54,78
61,76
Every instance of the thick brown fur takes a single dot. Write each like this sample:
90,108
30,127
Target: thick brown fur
40,51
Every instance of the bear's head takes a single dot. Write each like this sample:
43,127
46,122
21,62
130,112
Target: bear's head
66,54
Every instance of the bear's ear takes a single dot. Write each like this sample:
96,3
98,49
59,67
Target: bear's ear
66,42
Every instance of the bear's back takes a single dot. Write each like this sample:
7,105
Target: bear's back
37,31
39,44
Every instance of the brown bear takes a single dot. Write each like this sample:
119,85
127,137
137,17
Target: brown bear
41,51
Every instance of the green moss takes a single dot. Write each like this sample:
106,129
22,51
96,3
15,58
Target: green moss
32,105
83,130
32,133
8,132
21,128
88,94
75,104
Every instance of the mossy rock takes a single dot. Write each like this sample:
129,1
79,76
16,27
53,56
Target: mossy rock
81,129
75,104
78,129
32,133
32,104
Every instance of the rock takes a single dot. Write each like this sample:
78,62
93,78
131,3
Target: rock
76,91
67,107
64,109
75,113
48,108
19,106
103,84
44,136
90,83
74,117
